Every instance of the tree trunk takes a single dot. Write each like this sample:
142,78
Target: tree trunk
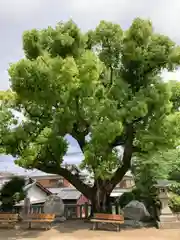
101,202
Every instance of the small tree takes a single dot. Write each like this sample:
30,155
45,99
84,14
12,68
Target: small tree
12,193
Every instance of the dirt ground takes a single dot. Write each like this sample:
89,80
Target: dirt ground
77,230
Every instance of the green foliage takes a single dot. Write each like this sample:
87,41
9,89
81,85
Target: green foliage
125,198
150,168
100,84
162,164
175,175
174,202
11,193
174,170
175,188
147,170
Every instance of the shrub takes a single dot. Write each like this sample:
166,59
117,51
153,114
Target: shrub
175,188
174,202
125,198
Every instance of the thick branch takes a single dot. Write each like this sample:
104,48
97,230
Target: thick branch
126,160
73,179
79,136
76,133
118,141
111,76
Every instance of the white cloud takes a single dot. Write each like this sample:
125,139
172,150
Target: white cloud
171,75
164,13
3,80
19,8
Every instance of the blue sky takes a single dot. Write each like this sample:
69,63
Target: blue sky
19,15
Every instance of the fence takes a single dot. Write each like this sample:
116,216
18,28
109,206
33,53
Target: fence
72,211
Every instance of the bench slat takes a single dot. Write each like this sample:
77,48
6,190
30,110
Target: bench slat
105,216
5,216
40,216
107,221
39,220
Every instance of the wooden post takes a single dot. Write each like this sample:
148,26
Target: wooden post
81,211
86,210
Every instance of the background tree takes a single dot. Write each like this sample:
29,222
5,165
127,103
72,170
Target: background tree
149,168
11,193
104,84
171,161
163,164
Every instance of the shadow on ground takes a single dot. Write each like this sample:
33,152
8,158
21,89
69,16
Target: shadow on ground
79,230
75,227
39,230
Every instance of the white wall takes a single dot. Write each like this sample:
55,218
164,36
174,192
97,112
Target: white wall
36,194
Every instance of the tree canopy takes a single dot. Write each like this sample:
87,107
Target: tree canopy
103,87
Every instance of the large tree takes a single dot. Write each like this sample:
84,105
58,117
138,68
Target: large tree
103,88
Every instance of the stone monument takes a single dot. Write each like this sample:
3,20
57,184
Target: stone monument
136,210
54,204
166,219
27,204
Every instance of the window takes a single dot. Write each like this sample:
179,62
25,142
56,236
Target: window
60,183
56,182
53,180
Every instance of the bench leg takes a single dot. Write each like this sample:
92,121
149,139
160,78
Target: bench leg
118,228
48,226
29,225
95,225
13,225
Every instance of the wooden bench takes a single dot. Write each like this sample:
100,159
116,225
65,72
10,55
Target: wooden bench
9,219
114,219
40,218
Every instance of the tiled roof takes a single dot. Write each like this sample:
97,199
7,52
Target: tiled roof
21,203
66,193
117,192
74,194
43,188
54,190
163,183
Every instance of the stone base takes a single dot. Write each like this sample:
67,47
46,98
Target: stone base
137,224
168,218
59,219
168,221
169,225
